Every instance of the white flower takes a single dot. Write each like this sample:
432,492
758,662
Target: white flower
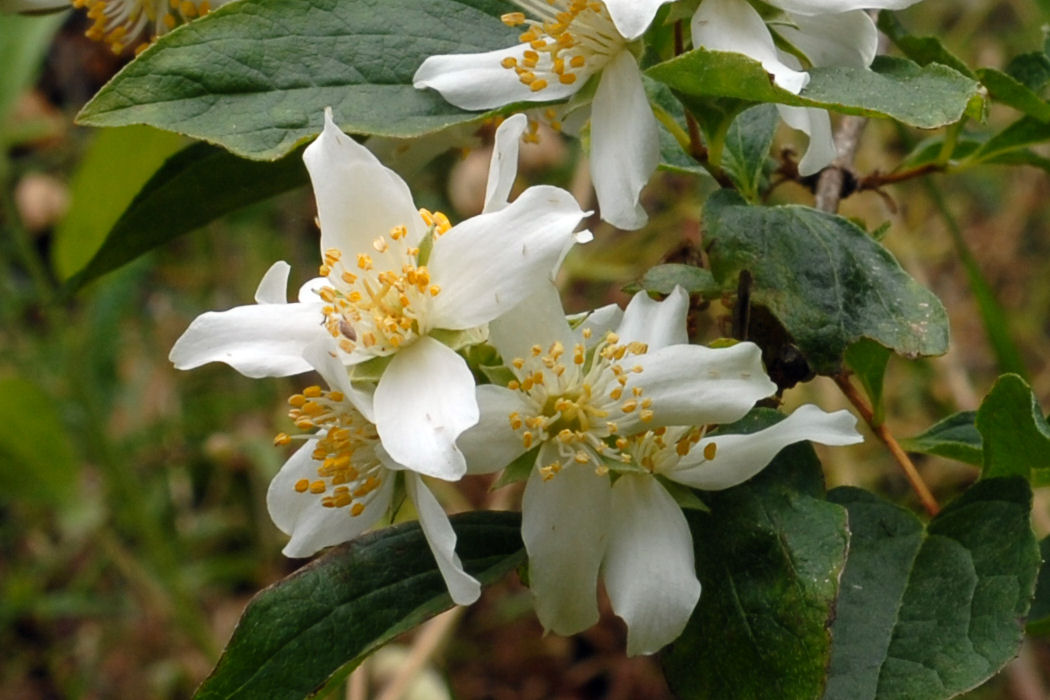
827,32
392,279
123,23
341,481
595,411
568,42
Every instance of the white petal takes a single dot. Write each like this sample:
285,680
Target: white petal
649,570
424,401
564,525
598,322
816,124
260,340
656,323
323,356
358,198
822,7
625,148
740,457
694,385
273,288
733,25
492,444
301,515
463,587
503,167
845,39
633,17
479,81
537,320
489,263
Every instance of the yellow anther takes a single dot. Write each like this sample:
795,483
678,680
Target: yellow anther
317,487
629,406
509,62
380,245
364,261
709,451
567,78
302,485
513,19
357,509
434,290
645,415
312,392
281,439
188,9
537,85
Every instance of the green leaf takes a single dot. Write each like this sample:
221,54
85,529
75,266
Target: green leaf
868,361
37,461
824,279
116,166
928,614
926,97
1008,90
298,632
1031,69
769,556
662,279
1015,434
955,437
1025,132
1039,615
673,131
255,76
921,49
195,186
747,147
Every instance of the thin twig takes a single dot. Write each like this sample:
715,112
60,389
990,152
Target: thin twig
883,433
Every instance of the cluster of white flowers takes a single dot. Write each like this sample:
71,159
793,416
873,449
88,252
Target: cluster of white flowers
610,408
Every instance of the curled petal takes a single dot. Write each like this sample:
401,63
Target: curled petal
816,124
492,444
503,167
479,80
302,515
273,288
739,457
694,385
846,39
464,588
260,340
625,147
486,265
733,25
424,401
633,17
564,526
358,198
655,323
648,569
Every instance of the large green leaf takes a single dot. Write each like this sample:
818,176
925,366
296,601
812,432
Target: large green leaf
1039,615
926,97
295,634
255,75
769,555
1015,434
929,614
37,461
826,280
195,186
921,49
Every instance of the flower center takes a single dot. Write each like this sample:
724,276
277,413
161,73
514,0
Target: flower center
570,40
120,23
659,450
380,310
350,472
575,402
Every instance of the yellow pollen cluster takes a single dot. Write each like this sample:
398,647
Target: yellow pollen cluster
559,43
378,309
576,398
349,472
652,449
123,23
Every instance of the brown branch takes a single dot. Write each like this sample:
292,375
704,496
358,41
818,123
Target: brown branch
876,179
883,433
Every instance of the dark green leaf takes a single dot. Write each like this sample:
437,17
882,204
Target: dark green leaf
197,185
298,632
921,49
868,361
1022,133
824,279
769,555
747,149
955,437
1010,91
662,279
674,132
255,76
1039,615
1015,434
1031,69
37,462
926,97
927,615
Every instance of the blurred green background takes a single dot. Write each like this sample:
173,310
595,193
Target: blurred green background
133,526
